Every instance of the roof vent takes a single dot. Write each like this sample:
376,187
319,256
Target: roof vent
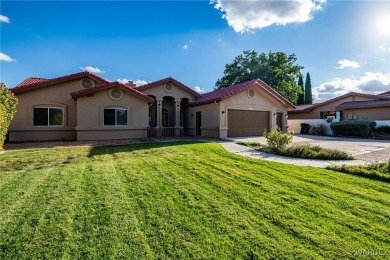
168,87
87,83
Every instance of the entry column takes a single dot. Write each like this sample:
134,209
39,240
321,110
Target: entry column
177,116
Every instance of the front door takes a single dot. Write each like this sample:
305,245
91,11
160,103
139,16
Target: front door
198,123
279,120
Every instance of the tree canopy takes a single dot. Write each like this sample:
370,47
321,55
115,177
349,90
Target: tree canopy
8,103
277,69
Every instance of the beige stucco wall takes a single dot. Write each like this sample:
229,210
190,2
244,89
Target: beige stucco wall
368,113
260,102
214,124
315,114
90,123
22,129
209,122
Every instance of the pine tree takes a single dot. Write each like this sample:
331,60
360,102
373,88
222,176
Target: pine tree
308,95
301,93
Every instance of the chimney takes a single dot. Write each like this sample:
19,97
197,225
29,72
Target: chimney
130,84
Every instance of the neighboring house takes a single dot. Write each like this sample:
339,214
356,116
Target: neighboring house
83,106
351,106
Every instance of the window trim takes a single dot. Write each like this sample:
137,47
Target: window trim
116,121
48,116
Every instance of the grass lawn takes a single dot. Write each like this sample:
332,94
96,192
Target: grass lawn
184,200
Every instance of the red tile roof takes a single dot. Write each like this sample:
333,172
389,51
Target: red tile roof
350,94
169,79
387,93
87,91
30,81
33,83
364,104
221,94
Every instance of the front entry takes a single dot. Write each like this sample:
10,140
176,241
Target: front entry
279,120
198,123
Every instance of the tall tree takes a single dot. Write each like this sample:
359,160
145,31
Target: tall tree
308,95
301,93
278,70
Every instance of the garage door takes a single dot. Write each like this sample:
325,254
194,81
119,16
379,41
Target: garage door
247,122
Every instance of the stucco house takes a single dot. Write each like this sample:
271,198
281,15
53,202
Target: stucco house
84,106
351,106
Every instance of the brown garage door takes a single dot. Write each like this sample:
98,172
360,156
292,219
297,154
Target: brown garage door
247,122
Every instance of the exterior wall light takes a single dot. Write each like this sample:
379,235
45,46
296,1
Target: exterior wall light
223,113
178,106
274,114
286,116
159,105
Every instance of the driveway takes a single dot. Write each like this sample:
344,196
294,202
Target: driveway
364,150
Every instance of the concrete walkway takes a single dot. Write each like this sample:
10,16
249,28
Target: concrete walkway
364,150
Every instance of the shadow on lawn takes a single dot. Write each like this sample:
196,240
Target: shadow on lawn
102,150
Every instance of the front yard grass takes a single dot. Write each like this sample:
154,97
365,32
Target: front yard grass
183,200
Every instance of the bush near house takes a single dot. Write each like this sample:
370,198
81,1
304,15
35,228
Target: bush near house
383,129
8,103
360,128
317,129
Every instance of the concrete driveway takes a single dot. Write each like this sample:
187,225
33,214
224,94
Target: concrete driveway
367,150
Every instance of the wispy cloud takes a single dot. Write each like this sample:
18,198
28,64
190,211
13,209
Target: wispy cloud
384,47
198,89
244,16
4,19
92,69
138,82
370,82
185,46
348,64
6,58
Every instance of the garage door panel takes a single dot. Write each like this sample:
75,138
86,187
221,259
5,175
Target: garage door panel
247,122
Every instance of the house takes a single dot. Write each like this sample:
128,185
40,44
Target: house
83,106
347,107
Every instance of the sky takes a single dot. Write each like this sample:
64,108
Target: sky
344,45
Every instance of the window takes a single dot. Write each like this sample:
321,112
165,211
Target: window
330,114
48,116
115,116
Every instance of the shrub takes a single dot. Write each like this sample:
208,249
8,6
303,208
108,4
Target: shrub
308,151
317,129
361,128
384,129
277,139
8,109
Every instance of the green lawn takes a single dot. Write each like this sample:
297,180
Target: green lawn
184,200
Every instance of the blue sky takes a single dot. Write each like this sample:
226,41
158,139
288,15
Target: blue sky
345,45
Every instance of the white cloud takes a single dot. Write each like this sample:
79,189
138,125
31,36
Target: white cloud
185,46
348,64
369,83
137,82
248,15
92,69
4,19
6,58
198,89
384,47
